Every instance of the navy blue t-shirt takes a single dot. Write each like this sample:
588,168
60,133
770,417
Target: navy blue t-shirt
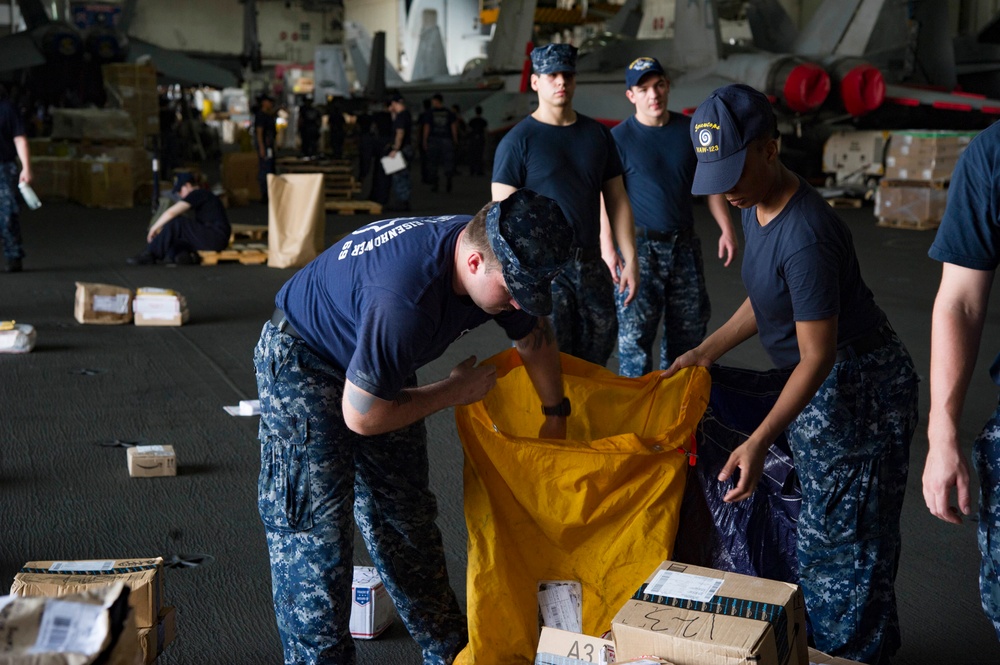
268,123
403,121
969,235
440,122
659,164
568,164
802,267
381,303
208,209
11,125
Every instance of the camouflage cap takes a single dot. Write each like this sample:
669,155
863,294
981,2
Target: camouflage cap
553,58
533,241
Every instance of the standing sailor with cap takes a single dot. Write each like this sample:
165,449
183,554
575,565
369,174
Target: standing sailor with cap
659,163
849,407
572,159
342,431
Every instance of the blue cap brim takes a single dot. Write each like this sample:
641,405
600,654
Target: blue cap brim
718,176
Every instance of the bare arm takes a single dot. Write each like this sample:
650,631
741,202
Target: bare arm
956,331
427,133
728,244
397,142
622,225
540,354
817,353
500,191
23,154
368,415
176,210
261,149
740,327
608,251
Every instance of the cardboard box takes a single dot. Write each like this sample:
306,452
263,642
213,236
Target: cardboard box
239,171
699,616
98,183
565,648
371,608
102,304
910,202
51,176
820,658
54,579
92,125
928,156
151,461
133,88
159,307
155,639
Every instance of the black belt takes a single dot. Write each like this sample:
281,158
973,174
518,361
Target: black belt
588,253
279,321
870,341
657,236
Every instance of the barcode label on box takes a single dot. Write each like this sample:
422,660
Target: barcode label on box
683,585
68,627
80,566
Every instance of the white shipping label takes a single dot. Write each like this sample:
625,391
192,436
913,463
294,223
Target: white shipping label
560,605
115,304
159,451
682,585
68,627
77,566
9,338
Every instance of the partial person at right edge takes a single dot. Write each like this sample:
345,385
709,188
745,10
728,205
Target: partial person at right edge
968,246
659,164
175,237
13,147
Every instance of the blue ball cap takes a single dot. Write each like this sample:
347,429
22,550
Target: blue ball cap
553,58
533,241
639,68
721,129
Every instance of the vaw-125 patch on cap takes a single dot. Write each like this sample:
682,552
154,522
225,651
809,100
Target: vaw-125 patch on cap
533,241
553,58
721,129
639,68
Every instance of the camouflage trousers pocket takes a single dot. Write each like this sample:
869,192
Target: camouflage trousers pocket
843,505
284,487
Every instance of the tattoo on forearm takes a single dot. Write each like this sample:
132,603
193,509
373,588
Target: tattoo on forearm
362,402
542,335
403,397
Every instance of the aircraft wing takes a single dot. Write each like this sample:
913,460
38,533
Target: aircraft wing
18,51
176,66
906,95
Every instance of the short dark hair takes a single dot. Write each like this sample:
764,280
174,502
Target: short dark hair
437,96
476,238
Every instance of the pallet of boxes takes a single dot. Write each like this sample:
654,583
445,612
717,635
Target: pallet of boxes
154,622
918,168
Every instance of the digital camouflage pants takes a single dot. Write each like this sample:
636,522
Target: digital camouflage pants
10,221
317,479
583,310
986,455
671,289
851,446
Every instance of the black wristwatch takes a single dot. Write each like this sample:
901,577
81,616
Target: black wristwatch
561,409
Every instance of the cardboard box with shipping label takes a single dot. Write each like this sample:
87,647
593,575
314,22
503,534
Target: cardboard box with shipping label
103,304
54,579
153,640
371,608
566,648
159,307
151,461
699,616
820,658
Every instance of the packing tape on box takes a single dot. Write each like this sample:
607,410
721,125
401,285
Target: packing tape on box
773,614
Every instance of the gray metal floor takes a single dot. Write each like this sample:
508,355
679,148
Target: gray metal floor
66,494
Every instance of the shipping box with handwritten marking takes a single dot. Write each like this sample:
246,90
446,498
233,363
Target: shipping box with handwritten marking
371,608
699,616
54,579
565,648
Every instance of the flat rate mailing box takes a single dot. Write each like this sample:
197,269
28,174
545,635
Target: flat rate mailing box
371,608
54,579
699,616
103,304
151,461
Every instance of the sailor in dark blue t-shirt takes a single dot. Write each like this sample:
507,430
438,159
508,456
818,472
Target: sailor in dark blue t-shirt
968,244
440,136
342,431
265,133
572,159
402,123
176,237
658,162
849,407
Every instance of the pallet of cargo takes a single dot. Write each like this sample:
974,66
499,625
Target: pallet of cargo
910,224
247,257
844,202
247,231
348,207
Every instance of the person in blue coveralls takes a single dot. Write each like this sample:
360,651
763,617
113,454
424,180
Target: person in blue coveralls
342,431
968,246
572,159
659,163
849,408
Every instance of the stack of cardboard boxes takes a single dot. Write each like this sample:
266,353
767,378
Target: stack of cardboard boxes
918,168
107,304
155,622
